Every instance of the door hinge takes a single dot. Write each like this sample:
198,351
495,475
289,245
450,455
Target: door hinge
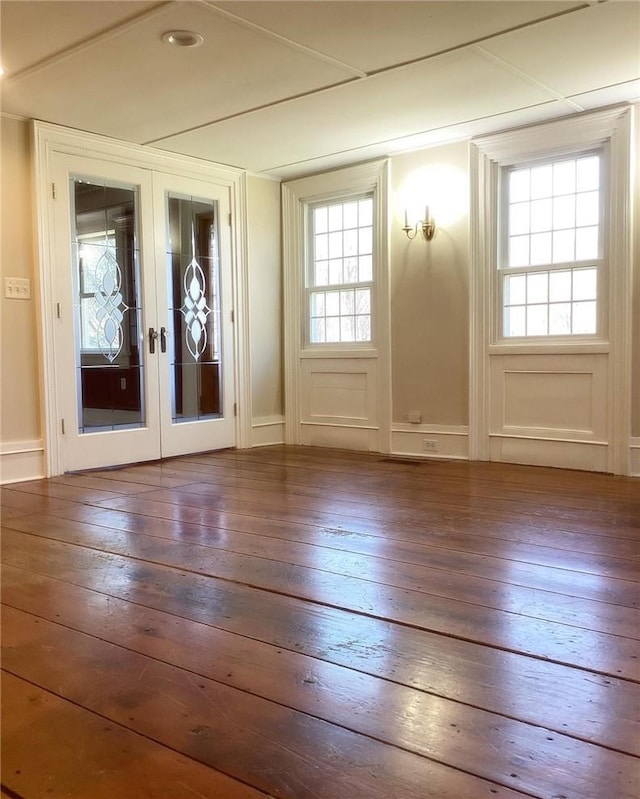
235,408
233,315
230,220
54,193
62,426
58,313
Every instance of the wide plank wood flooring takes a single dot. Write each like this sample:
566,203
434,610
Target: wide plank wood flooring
318,624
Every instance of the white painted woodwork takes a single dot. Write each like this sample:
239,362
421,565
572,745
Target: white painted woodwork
560,402
336,395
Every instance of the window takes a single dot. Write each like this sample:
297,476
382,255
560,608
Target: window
551,247
340,272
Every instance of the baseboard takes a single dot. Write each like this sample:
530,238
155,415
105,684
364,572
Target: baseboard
361,438
451,442
583,455
21,461
267,430
634,457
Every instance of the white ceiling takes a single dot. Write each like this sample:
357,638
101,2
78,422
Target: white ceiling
287,88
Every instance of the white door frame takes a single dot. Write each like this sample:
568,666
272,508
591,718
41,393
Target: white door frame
48,139
611,126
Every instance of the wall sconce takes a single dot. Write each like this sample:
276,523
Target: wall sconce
427,225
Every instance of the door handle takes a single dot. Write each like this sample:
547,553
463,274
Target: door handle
153,335
163,339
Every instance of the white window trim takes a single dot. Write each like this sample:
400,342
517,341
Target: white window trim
297,195
612,128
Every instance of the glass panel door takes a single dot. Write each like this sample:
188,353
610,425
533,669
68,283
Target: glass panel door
193,272
108,326
197,381
106,364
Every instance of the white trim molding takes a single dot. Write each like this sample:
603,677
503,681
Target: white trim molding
47,141
21,461
445,442
267,430
610,128
302,426
634,457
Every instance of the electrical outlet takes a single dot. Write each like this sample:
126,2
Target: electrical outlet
17,288
429,445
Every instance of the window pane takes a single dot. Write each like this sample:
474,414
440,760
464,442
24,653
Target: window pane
585,284
351,270
519,218
515,290
588,173
333,303
332,329
519,251
350,242
363,301
537,320
335,245
363,328
541,215
537,288
318,333
563,246
317,304
347,302
365,240
322,273
519,185
541,181
584,317
514,321
320,220
586,243
564,212
560,319
335,217
335,271
347,328
350,215
322,247
588,208
540,248
564,177
365,212
366,268
560,286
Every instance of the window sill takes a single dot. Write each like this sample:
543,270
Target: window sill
321,351
550,348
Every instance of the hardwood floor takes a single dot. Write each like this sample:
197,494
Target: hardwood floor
293,622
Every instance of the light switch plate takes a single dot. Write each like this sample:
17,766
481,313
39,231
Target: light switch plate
17,288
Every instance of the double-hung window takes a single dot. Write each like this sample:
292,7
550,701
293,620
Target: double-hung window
550,262
340,271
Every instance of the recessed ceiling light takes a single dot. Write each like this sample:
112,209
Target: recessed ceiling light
182,38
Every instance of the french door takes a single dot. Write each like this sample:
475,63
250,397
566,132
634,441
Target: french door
143,329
